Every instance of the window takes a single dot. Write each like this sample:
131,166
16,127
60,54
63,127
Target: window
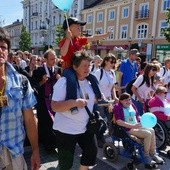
111,15
111,30
166,4
54,19
36,25
125,13
124,30
89,32
142,31
99,30
144,10
100,17
89,19
163,24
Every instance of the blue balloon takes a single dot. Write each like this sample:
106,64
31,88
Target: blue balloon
64,5
148,120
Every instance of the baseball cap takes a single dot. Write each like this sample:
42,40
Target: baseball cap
134,51
73,20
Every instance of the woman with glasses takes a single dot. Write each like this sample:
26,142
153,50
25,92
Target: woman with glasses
107,79
142,93
160,106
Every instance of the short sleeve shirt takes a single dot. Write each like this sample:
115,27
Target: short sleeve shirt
129,71
77,45
12,131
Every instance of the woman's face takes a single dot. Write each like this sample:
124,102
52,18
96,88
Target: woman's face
163,93
83,70
152,72
110,64
126,102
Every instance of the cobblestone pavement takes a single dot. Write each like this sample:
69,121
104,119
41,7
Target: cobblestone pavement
50,161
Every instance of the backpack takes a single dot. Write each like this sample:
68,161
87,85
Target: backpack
130,84
101,74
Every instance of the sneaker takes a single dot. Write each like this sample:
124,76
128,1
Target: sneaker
149,163
103,102
157,159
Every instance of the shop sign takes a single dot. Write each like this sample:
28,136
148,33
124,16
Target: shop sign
163,47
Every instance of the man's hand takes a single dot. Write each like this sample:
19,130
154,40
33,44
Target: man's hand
35,160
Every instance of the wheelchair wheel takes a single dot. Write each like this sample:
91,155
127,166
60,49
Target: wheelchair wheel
110,152
161,134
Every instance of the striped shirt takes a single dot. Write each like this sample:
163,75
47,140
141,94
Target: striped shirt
12,132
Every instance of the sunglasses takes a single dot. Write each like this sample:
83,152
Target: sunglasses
112,62
154,69
165,92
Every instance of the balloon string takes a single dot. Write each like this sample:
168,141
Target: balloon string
68,27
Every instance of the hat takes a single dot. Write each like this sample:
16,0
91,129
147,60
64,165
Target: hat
96,57
72,20
134,51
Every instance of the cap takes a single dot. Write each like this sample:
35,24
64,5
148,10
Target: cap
96,57
134,51
72,20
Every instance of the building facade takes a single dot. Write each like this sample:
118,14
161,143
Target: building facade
15,31
133,23
41,18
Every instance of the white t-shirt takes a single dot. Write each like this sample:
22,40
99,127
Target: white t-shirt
165,74
67,122
107,81
143,90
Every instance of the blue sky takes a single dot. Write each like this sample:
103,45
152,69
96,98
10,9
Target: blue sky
10,11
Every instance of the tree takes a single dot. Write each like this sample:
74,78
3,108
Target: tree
25,40
166,31
60,34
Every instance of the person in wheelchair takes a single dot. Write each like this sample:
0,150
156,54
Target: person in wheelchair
127,116
160,106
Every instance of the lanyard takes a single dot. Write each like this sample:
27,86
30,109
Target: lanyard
1,92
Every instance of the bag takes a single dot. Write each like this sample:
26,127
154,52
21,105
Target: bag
130,84
95,123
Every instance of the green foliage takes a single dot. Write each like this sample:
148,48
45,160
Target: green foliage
166,31
60,34
25,40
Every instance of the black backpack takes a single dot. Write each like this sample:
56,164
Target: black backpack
130,84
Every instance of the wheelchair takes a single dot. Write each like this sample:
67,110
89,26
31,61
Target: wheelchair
132,147
162,133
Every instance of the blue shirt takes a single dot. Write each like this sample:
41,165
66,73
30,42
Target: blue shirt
129,71
130,115
12,133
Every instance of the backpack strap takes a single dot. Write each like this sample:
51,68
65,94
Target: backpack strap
101,73
164,70
92,68
143,81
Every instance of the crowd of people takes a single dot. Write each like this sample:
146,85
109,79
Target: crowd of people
59,89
